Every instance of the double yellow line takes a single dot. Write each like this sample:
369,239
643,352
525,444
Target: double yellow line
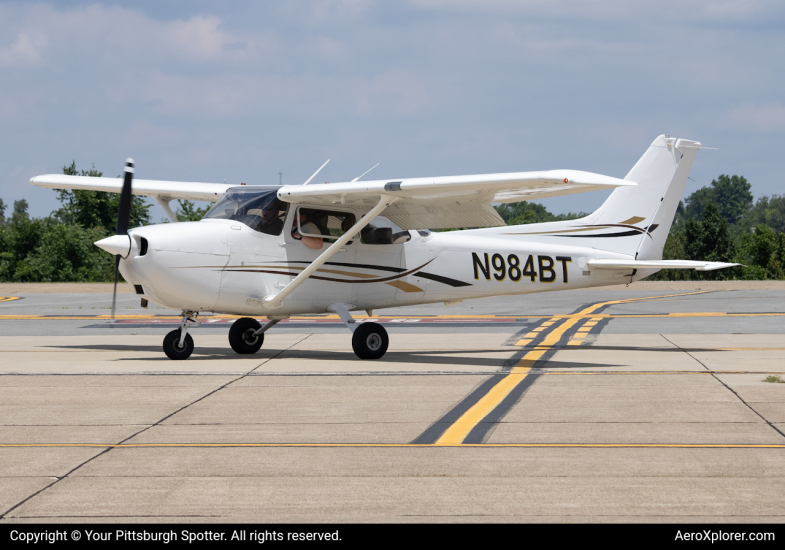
460,429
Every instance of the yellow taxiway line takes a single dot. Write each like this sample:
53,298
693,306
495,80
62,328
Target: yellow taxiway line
462,427
458,431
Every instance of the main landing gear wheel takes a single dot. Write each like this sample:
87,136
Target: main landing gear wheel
241,336
172,347
370,341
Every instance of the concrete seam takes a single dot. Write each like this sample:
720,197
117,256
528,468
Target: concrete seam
714,375
60,478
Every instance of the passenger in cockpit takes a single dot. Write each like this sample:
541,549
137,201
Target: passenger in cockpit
308,227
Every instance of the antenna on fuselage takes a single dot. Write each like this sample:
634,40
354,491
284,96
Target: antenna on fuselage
314,174
371,168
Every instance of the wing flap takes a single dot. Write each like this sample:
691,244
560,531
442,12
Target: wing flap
443,215
181,190
658,264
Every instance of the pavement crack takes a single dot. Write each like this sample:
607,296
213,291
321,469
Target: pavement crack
714,375
106,450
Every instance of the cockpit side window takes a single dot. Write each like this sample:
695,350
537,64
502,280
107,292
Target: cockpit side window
262,211
326,224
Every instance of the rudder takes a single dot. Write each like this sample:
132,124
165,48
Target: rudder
661,174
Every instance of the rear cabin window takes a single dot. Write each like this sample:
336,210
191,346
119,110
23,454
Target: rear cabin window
383,231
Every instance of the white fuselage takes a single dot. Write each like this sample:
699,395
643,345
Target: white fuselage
218,265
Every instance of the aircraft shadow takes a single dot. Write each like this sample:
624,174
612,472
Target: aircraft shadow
434,358
636,348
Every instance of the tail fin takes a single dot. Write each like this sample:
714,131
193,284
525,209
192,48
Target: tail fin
650,207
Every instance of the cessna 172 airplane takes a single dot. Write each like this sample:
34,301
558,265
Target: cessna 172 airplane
275,251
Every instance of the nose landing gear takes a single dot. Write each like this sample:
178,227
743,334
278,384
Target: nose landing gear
178,344
174,349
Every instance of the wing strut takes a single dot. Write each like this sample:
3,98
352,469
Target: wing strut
163,202
275,302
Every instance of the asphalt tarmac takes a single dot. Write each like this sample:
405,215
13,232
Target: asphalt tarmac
628,405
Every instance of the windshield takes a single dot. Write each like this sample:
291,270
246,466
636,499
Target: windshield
259,209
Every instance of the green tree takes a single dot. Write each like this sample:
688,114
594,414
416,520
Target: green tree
96,208
20,211
762,253
673,250
709,239
2,212
732,196
729,194
519,213
188,212
66,253
769,211
20,236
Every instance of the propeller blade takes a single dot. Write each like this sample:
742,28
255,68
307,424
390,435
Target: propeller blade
124,212
123,219
114,293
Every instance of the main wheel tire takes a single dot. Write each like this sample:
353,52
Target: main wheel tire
241,336
172,347
370,341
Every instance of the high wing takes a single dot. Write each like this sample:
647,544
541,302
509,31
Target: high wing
438,202
658,264
450,201
162,190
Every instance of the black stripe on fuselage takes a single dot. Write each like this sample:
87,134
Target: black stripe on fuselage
430,276
635,231
440,279
342,264
622,234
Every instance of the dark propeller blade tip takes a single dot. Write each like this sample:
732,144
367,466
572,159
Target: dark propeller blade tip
124,212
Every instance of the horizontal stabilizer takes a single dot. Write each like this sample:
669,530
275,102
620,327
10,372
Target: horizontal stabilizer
657,264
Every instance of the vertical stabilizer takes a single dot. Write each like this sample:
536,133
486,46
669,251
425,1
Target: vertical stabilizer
649,208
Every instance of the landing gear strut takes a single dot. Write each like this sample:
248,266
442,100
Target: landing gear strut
247,335
369,340
178,344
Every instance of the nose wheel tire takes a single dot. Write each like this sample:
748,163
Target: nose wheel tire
241,336
172,347
370,341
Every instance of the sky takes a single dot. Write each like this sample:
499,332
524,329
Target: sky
242,91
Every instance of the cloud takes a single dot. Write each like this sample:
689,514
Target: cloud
199,38
669,10
27,50
202,91
758,118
